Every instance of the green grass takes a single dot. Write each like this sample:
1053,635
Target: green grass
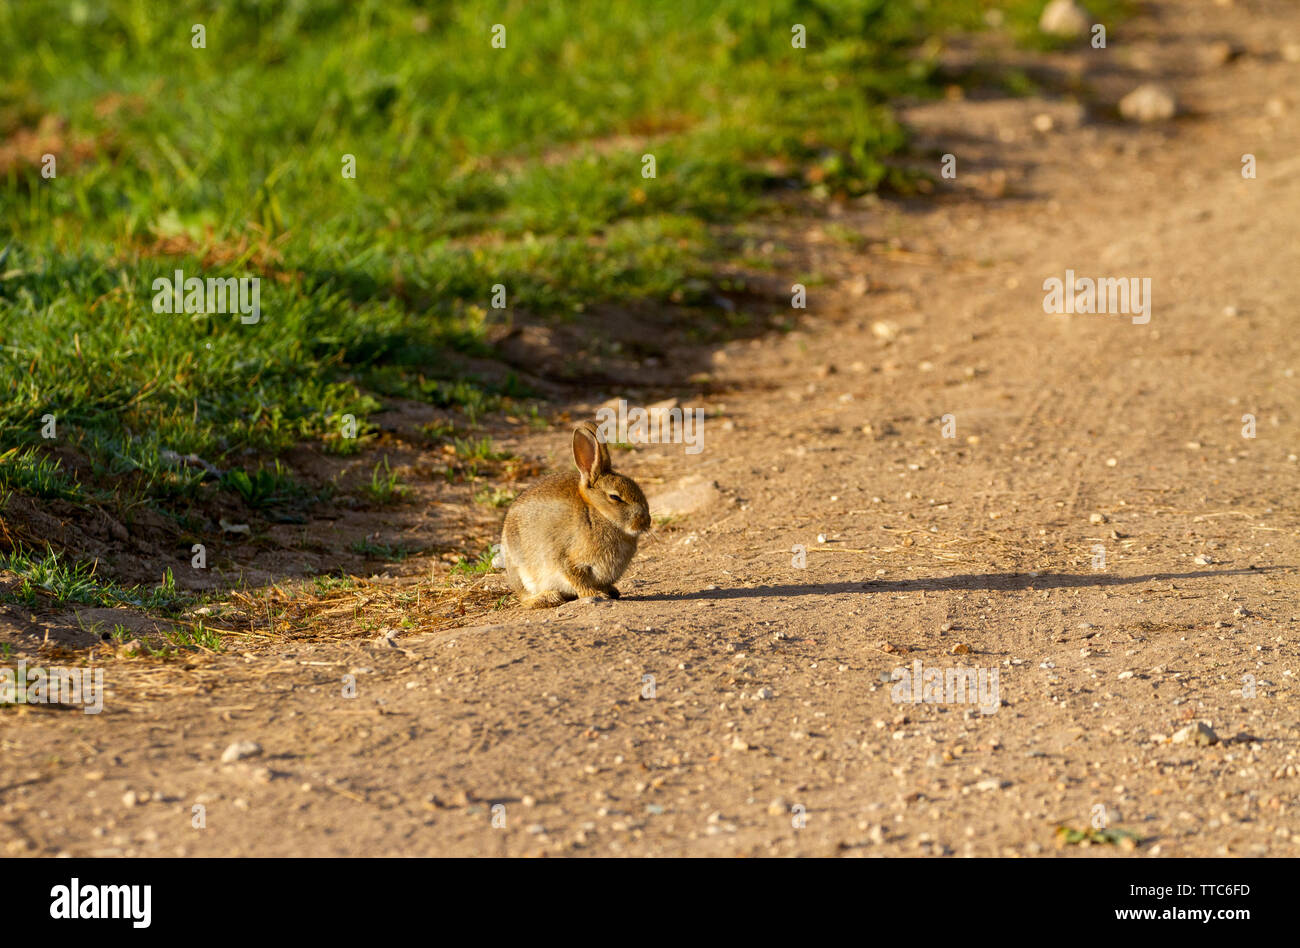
200,637
437,431
264,487
473,567
384,488
389,553
327,584
50,579
478,449
475,167
494,497
27,470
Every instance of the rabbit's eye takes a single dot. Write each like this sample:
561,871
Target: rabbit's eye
617,499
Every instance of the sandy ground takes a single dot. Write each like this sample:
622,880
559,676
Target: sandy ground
768,724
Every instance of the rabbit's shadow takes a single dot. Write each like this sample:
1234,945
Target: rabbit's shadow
987,581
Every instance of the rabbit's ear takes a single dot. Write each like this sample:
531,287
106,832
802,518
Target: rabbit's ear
589,454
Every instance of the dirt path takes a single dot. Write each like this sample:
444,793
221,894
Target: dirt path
771,703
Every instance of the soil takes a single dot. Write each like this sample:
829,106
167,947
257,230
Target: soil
739,697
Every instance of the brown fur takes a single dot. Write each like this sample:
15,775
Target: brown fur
565,537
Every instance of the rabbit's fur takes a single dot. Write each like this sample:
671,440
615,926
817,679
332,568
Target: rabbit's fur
572,535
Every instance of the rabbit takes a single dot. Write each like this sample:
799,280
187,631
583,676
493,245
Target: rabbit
572,535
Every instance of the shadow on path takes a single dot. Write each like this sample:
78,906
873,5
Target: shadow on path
1001,581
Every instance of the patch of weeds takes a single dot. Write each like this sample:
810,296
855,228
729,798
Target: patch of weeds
386,488
325,584
200,637
30,471
49,580
264,487
480,450
359,434
438,430
462,394
494,497
474,456
381,551
847,236
1068,836
535,420
479,566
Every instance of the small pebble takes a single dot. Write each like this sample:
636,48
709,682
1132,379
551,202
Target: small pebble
1064,18
1197,733
1148,103
239,750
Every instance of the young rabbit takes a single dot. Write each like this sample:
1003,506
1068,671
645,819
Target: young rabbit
572,535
